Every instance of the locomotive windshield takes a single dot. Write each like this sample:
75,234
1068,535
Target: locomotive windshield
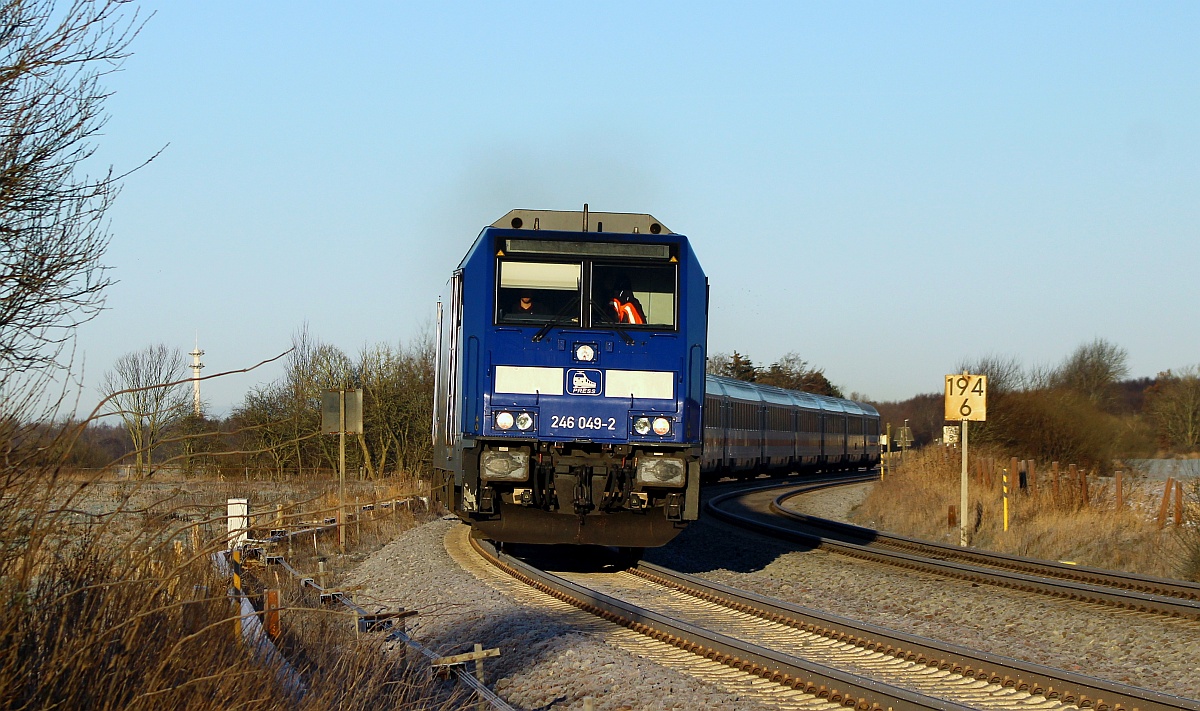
621,294
634,295
535,292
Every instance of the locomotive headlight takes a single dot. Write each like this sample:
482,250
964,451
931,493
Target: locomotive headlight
524,421
504,465
662,426
642,425
661,471
504,420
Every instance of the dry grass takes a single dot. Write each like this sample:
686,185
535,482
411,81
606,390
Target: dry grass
108,604
914,500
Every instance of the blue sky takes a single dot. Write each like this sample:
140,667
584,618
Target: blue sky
885,188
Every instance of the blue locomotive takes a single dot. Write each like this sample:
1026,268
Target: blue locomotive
571,401
570,380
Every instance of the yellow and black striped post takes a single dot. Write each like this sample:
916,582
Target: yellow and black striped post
1005,480
235,557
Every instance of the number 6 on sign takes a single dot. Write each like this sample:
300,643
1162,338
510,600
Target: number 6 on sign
966,397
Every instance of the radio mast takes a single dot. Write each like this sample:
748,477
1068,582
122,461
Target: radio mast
196,366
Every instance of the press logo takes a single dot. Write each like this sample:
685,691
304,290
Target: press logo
583,382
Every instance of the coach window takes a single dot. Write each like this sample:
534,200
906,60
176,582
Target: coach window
650,289
536,292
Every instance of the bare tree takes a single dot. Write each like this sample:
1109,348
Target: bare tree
398,408
1092,370
794,373
1173,404
53,232
147,389
732,366
1004,373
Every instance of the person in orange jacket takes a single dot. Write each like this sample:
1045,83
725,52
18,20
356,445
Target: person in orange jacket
626,306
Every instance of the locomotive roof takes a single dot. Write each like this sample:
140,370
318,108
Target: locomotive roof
583,221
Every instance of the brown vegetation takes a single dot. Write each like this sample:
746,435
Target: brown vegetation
1045,521
110,603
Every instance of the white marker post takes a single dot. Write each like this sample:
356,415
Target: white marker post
966,400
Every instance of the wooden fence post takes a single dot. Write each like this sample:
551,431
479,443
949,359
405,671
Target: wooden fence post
481,705
1072,479
1015,467
1166,502
1178,503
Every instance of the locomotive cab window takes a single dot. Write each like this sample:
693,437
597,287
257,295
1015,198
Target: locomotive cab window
634,295
536,292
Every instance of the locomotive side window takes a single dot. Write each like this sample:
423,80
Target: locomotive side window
536,292
634,295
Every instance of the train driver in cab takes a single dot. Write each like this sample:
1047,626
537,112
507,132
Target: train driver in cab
626,307
525,307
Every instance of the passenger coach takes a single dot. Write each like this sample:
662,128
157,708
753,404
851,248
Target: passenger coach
570,379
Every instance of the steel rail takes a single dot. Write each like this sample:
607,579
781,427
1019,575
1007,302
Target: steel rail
767,523
848,689
1039,680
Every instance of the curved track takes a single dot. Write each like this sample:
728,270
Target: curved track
764,510
832,659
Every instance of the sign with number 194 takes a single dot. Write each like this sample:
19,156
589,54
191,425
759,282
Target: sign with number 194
966,397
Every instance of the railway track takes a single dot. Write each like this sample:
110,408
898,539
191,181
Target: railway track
765,510
815,660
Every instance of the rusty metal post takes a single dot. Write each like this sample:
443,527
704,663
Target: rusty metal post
271,612
1073,477
951,519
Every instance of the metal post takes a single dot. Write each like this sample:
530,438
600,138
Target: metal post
962,496
236,566
1005,499
889,445
341,519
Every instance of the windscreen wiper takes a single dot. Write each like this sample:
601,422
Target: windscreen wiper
558,319
620,331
